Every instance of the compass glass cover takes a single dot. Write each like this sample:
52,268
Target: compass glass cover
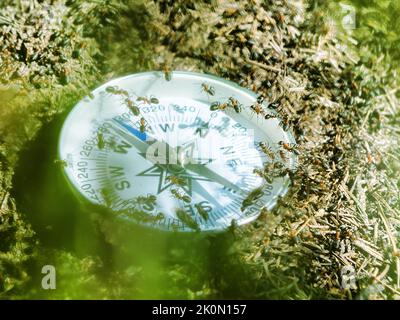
180,154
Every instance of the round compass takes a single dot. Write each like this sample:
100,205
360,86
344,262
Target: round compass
184,152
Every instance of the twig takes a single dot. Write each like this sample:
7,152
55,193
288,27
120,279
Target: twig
263,66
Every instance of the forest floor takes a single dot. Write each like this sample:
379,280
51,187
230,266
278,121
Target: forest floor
334,235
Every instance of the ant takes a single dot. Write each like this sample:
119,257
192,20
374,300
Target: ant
289,147
218,106
143,124
150,199
235,104
132,106
283,155
285,123
187,219
208,89
178,181
180,196
167,72
270,116
267,150
61,163
148,100
257,108
263,174
202,212
100,141
251,197
115,90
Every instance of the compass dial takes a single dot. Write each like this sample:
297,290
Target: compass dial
156,152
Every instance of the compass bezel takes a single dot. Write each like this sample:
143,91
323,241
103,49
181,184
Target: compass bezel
201,78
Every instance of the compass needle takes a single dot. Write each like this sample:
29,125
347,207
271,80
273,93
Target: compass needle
135,137
213,176
205,194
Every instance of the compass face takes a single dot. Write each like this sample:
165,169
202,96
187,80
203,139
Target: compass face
174,155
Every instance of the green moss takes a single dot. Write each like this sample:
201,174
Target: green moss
53,52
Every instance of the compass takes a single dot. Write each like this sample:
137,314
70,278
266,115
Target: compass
176,154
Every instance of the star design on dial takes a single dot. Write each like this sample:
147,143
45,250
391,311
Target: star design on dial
164,171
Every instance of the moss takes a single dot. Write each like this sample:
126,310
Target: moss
342,105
